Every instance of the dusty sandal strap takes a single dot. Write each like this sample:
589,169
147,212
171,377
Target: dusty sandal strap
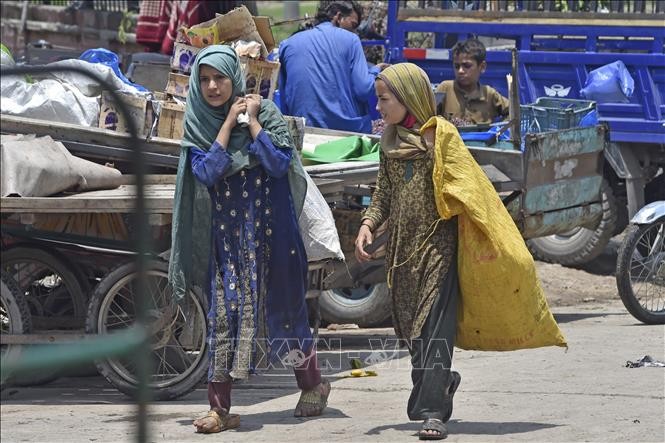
222,423
436,425
314,399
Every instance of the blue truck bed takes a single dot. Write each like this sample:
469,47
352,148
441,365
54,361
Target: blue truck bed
556,52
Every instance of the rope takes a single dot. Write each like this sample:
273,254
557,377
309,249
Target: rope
431,227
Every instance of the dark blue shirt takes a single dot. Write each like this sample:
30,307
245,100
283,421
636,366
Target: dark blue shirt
325,78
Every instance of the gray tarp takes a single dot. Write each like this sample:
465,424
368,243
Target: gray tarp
39,167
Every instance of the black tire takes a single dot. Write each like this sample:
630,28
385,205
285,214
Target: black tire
31,267
580,245
367,306
179,328
634,288
14,318
52,289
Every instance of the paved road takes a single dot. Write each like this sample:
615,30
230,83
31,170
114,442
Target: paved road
584,394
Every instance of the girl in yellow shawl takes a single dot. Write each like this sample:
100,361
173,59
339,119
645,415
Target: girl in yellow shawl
458,269
421,251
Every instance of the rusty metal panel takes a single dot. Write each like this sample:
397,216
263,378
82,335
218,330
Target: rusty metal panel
563,170
565,143
556,222
562,194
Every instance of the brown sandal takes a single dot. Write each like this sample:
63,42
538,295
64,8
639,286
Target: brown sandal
313,402
213,423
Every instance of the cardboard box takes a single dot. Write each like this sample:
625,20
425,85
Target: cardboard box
140,111
183,57
178,85
260,76
171,121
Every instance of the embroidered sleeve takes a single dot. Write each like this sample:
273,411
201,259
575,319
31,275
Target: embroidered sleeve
274,160
379,208
209,167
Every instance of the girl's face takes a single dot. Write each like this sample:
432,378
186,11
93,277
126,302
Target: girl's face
391,110
216,88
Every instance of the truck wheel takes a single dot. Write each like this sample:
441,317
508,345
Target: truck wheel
14,317
178,343
579,245
366,306
640,272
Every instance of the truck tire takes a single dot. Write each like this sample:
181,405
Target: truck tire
366,306
178,344
14,318
579,245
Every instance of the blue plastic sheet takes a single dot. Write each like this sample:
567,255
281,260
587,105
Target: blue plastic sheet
110,59
609,83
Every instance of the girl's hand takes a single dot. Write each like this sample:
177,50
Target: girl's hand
364,238
238,107
253,105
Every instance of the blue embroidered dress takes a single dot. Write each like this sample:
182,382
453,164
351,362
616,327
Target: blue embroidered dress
258,265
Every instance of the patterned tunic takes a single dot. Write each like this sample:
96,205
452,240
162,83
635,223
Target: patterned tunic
258,271
419,249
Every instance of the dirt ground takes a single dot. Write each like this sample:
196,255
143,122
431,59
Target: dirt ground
592,283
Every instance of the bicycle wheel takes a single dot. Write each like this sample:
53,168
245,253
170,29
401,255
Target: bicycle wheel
14,317
641,272
179,358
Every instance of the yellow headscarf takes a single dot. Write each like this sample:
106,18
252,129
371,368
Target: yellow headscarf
412,87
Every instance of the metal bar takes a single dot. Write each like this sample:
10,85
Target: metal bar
135,337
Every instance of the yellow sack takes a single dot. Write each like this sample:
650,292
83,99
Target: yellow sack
502,306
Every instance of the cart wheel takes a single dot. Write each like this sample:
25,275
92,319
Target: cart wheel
179,358
14,317
56,296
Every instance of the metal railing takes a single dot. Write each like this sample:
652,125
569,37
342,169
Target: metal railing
133,341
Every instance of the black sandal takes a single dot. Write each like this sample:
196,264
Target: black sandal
433,424
455,381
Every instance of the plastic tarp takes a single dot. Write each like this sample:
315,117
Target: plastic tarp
66,97
317,226
352,148
39,167
502,305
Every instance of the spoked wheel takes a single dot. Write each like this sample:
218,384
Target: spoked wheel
14,317
179,358
55,294
641,272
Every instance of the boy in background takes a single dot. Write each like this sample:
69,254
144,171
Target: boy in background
465,100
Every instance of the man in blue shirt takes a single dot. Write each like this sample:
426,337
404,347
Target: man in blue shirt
324,75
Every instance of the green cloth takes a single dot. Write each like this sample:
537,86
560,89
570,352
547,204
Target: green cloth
191,240
345,149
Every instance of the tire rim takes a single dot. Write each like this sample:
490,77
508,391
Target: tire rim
353,296
647,269
177,342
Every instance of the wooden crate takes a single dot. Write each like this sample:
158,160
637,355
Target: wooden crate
260,76
171,120
178,85
140,111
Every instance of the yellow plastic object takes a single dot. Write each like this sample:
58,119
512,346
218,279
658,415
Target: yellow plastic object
201,37
502,306
363,373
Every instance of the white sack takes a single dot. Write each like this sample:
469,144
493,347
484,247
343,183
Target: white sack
317,227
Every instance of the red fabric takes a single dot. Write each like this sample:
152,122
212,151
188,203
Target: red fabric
409,121
159,21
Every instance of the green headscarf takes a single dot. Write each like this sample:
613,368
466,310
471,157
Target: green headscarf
412,87
191,226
